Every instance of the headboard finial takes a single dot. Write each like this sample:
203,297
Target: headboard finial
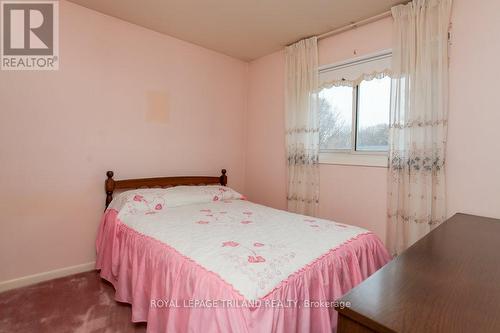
109,186
223,178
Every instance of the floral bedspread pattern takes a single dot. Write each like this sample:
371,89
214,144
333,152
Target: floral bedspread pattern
251,247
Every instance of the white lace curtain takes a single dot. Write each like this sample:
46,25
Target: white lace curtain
418,125
302,130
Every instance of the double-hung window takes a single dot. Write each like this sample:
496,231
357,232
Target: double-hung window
354,111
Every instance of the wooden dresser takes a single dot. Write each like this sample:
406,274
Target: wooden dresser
449,281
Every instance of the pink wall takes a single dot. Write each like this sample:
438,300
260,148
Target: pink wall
60,131
473,131
265,130
357,195
354,195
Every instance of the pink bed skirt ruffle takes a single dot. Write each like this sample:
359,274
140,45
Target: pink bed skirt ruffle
161,285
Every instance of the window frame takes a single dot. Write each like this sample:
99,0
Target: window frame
353,156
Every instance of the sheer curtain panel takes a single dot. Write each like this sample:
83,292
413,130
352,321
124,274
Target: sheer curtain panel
418,124
302,129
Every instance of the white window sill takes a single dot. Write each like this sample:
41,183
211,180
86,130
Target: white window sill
354,158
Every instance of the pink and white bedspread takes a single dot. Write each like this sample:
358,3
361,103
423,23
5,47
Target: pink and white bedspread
211,262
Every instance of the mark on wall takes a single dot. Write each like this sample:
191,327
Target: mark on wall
157,110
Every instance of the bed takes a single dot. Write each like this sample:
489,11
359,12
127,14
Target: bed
192,255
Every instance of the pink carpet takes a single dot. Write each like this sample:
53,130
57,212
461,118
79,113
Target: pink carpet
79,303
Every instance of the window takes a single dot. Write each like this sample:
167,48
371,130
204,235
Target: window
354,118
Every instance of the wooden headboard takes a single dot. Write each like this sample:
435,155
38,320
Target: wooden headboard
110,185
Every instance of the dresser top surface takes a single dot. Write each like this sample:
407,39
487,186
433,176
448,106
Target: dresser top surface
449,281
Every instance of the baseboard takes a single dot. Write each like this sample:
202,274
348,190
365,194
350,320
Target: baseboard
44,276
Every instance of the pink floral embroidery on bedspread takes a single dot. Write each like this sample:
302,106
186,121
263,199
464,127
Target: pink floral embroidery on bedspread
230,243
140,205
254,257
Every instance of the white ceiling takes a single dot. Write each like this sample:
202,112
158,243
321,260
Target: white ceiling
244,29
